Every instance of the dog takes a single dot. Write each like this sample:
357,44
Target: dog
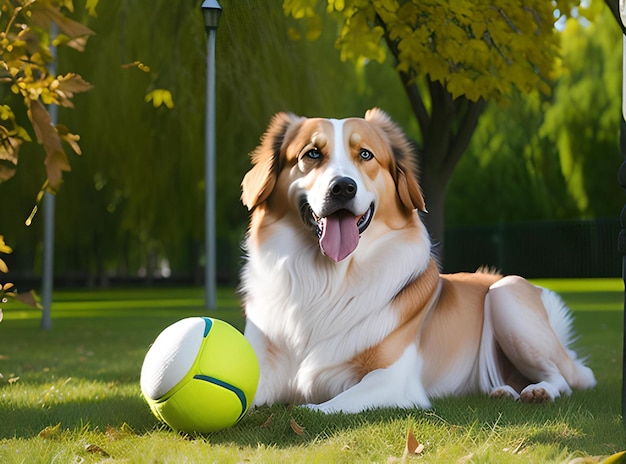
345,306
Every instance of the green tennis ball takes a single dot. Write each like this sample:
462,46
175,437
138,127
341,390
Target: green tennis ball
200,375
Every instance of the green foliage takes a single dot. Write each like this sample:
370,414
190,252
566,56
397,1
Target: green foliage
550,157
583,121
137,195
141,185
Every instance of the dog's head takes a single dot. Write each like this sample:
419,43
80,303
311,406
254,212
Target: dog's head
337,175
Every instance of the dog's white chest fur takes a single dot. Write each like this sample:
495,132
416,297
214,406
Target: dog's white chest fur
316,315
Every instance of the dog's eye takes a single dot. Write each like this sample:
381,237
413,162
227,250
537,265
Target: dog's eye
313,153
366,154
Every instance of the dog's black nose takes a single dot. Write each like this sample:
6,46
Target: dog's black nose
343,188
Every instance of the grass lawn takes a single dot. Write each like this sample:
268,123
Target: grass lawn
71,395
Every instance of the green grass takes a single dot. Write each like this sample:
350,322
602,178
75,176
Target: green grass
71,394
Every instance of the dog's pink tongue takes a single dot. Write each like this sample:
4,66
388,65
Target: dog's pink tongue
340,235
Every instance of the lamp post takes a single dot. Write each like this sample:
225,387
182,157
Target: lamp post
48,218
211,11
621,243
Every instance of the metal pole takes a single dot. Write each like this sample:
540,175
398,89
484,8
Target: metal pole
48,260
209,174
48,220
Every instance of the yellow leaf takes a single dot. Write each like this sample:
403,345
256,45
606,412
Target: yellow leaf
91,7
160,97
4,248
3,267
313,27
294,34
137,64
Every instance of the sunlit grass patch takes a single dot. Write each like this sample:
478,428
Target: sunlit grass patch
72,394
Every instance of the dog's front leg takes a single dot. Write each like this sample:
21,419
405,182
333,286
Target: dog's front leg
398,385
271,387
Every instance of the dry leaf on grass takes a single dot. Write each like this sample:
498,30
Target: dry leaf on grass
95,449
114,433
412,448
51,431
297,428
268,422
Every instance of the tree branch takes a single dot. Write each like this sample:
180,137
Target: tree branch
409,82
464,132
439,133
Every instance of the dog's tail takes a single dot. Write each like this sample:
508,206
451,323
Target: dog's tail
562,320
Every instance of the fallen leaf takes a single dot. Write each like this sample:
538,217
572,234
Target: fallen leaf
95,449
113,433
517,448
12,380
50,431
297,428
413,447
29,298
268,422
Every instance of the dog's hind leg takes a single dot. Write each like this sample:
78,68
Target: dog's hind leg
532,327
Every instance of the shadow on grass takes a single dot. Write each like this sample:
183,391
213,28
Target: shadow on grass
588,420
26,422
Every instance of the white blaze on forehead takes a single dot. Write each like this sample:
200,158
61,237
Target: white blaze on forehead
341,163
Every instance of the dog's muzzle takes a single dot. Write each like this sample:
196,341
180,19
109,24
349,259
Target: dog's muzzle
338,231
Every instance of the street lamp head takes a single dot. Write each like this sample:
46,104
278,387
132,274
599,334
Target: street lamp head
211,11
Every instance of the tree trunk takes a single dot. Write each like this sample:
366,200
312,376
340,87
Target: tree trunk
447,128
434,190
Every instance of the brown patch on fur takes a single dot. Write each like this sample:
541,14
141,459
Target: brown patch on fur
458,318
411,303
259,182
405,175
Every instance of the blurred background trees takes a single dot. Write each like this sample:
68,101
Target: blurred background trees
132,204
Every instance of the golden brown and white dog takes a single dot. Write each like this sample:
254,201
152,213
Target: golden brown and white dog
344,302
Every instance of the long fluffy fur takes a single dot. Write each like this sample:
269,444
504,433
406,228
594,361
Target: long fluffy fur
380,327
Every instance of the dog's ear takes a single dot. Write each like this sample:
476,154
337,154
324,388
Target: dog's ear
259,181
407,186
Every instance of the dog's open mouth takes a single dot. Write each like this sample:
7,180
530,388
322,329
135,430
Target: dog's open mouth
339,232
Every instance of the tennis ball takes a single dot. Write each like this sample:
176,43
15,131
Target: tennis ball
199,375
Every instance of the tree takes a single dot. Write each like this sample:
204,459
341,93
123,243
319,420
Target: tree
142,184
451,56
27,86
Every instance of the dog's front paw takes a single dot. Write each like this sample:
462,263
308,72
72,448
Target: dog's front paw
323,407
